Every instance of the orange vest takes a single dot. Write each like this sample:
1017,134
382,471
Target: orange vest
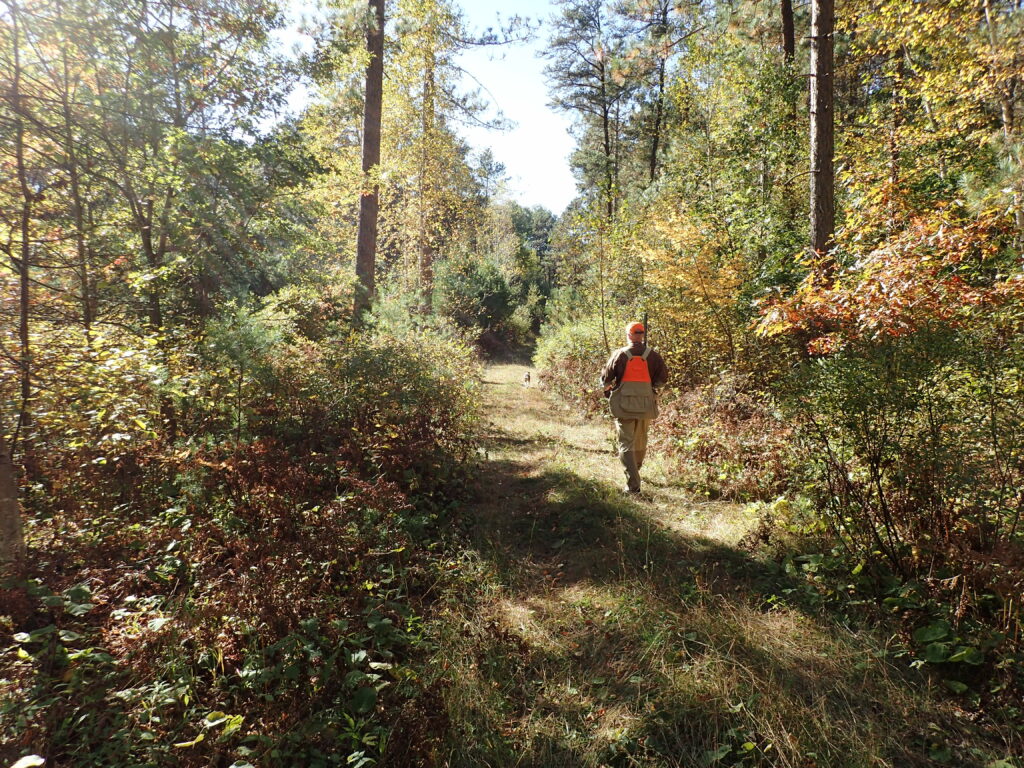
634,397
636,370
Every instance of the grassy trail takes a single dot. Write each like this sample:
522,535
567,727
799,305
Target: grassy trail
596,629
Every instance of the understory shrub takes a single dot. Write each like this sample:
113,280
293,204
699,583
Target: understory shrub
249,595
390,401
485,301
570,357
727,441
264,615
918,447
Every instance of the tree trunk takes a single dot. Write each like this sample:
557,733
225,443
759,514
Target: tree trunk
616,144
145,219
822,126
1006,111
369,200
661,32
155,252
426,234
897,107
789,187
1005,104
607,146
788,32
77,207
12,539
23,262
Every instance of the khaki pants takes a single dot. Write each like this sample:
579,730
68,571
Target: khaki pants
632,438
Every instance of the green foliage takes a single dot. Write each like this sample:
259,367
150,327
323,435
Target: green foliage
498,281
727,440
570,357
247,590
271,630
475,293
397,407
913,443
910,460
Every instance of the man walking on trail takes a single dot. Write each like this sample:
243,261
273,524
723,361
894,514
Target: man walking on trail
630,379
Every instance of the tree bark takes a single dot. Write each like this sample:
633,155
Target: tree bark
427,213
607,146
822,126
788,32
660,35
369,200
659,109
606,119
1006,111
789,187
77,207
23,262
12,539
1005,104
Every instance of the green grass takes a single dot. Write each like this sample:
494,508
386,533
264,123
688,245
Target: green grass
592,629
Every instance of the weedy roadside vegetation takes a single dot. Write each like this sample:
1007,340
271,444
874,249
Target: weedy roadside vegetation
880,476
250,595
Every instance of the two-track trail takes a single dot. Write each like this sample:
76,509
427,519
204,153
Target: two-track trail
598,629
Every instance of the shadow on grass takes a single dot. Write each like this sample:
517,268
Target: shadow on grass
557,515
614,641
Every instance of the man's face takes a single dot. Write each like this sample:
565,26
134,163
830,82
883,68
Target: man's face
636,337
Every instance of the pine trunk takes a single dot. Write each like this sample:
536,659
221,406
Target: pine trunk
1006,111
77,206
23,261
427,212
12,540
661,36
822,126
369,200
788,31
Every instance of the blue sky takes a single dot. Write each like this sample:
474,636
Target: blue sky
536,150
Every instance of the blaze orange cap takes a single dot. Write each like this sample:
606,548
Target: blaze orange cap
636,328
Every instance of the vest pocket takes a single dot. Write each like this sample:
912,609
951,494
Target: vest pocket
637,403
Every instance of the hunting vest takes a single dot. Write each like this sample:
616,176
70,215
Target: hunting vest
634,397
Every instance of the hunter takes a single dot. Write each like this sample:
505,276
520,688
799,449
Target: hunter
631,379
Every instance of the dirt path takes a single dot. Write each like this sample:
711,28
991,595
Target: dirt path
543,458
597,629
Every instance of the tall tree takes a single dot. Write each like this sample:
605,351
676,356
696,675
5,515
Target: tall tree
12,538
582,51
65,86
431,191
1007,85
662,44
657,28
20,248
788,31
489,174
822,125
427,196
369,199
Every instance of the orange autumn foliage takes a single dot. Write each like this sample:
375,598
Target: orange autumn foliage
938,269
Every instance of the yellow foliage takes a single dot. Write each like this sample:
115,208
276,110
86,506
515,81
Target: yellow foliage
691,282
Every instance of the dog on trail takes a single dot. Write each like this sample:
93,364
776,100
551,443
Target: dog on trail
526,379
